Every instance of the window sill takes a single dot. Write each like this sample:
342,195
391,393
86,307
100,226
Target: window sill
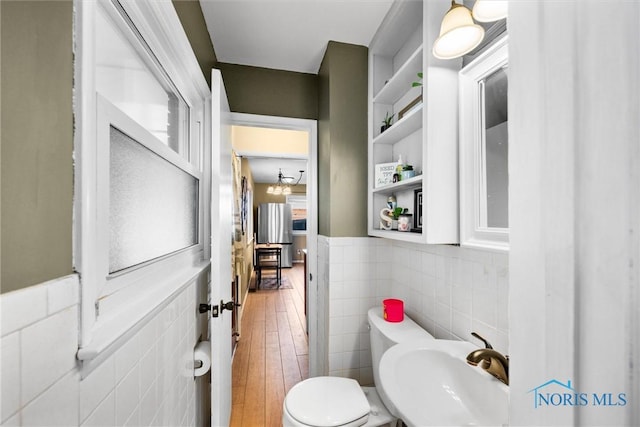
111,332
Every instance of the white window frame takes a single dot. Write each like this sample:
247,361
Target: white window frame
473,229
109,115
113,308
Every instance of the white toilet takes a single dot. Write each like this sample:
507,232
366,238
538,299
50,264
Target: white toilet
337,401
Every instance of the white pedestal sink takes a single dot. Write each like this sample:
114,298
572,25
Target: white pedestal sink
431,384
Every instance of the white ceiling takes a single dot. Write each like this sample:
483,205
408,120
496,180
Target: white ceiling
288,34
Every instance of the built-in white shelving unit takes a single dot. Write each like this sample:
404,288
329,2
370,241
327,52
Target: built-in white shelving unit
426,133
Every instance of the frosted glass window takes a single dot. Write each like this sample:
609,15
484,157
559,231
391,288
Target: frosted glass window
126,78
153,204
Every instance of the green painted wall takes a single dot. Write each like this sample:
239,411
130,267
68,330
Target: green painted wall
37,141
270,92
324,148
192,20
342,141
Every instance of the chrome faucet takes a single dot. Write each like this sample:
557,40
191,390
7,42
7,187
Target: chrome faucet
490,360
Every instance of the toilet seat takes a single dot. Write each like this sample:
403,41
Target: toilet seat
327,402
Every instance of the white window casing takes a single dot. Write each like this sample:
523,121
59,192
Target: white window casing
475,229
115,305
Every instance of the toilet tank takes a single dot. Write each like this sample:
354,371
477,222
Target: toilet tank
384,335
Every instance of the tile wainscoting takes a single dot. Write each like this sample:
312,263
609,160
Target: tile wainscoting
450,291
143,383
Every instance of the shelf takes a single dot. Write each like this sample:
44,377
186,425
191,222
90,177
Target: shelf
400,82
403,18
397,235
402,128
404,185
427,134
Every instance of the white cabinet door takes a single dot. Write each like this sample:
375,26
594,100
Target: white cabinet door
221,234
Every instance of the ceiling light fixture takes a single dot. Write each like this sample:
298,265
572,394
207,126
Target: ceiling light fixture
458,33
282,187
490,10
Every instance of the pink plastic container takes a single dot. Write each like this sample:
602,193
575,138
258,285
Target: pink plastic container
393,310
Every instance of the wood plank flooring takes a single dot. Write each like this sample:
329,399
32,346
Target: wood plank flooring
272,354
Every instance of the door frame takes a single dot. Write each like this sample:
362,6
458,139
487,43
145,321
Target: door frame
311,127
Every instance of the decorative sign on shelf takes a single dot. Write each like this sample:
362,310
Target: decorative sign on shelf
384,174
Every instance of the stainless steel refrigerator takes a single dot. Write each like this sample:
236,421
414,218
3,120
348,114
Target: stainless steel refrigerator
275,225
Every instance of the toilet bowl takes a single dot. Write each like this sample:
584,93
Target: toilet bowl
336,401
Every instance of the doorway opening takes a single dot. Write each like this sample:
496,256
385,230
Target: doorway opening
270,157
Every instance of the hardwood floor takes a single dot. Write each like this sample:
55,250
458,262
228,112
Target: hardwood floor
272,354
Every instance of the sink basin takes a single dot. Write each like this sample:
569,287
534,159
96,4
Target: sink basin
430,384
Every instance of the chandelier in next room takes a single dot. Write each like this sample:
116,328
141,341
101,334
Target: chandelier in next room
283,186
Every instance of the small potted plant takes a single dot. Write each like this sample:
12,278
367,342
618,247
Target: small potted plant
417,84
395,214
387,122
407,172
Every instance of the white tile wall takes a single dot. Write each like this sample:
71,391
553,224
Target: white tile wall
48,351
10,373
104,414
358,276
56,406
466,291
450,291
96,387
145,382
23,308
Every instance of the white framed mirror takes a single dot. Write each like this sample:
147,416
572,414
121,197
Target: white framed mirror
484,149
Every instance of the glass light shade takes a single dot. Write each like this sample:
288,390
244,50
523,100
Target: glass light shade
489,11
458,34
278,190
270,190
286,191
